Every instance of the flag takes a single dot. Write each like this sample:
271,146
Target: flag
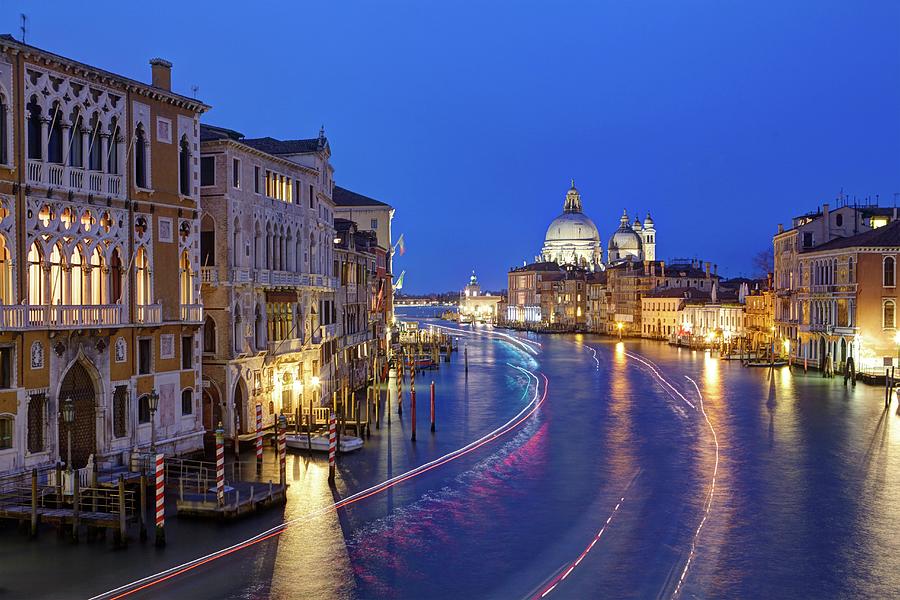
379,302
399,284
401,245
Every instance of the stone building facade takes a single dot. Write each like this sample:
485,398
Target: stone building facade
99,189
267,257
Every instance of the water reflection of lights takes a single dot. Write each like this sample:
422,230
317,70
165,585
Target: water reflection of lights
536,401
594,352
526,344
560,577
712,491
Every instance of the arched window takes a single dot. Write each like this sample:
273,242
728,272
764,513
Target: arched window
269,249
55,141
207,241
6,292
57,271
79,284
115,135
35,276
140,157
851,276
95,162
142,278
839,219
115,277
76,141
184,166
313,263
35,145
144,409
209,335
95,284
186,278
889,271
236,245
187,401
889,314
238,330
7,427
260,329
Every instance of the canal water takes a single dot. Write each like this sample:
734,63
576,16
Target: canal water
627,481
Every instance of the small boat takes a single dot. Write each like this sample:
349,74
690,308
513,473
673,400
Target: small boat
298,441
425,363
765,363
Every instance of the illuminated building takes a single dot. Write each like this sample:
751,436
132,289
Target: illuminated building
373,215
524,292
572,238
846,295
806,232
476,307
98,193
357,296
662,310
632,242
267,255
759,315
597,301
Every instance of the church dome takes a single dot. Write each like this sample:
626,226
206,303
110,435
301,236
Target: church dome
625,242
572,237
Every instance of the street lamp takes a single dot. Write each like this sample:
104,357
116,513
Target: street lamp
68,415
619,327
153,405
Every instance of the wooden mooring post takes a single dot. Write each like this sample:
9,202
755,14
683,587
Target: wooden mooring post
34,502
123,531
432,407
142,509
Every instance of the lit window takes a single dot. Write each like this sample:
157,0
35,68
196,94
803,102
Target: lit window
889,271
889,314
6,432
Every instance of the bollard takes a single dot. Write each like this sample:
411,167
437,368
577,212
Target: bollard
34,502
332,447
282,450
220,465
466,353
259,437
412,402
309,426
160,502
432,407
142,509
76,501
400,389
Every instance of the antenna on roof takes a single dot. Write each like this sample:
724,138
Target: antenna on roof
194,89
22,27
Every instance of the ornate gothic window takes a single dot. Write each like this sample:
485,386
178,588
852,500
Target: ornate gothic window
142,278
57,290
184,167
76,140
889,311
35,145
140,157
95,157
36,423
209,335
114,139
55,141
6,291
4,132
186,279
35,276
80,282
115,277
889,271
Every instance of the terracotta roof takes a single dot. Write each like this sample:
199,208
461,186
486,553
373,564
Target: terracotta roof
677,292
889,235
210,133
270,145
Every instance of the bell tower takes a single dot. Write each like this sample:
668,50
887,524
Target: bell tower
648,237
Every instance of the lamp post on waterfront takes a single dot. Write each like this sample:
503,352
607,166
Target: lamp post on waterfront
68,415
153,405
619,327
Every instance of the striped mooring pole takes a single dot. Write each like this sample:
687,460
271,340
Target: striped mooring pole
220,464
282,449
160,501
332,446
259,439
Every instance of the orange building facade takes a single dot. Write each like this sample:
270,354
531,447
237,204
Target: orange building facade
99,189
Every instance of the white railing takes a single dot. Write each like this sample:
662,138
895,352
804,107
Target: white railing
192,313
209,275
55,175
148,314
61,315
262,276
241,275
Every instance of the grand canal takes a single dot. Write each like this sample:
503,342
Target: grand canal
600,470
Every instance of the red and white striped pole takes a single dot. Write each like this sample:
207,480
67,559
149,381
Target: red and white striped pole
332,446
282,449
220,465
259,439
160,501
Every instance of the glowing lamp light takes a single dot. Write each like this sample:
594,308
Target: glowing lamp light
314,380
787,345
897,338
619,325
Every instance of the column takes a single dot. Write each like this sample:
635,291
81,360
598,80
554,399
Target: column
104,153
45,130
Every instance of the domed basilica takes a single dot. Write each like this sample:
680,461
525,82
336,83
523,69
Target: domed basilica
573,239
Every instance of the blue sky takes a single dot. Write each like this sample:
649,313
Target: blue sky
722,118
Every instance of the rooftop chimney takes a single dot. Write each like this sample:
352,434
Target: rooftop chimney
162,74
715,269
707,269
780,228
662,268
827,219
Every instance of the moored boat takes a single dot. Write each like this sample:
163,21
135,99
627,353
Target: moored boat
299,441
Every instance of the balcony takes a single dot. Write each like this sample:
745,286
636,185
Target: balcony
192,313
149,314
268,277
209,276
241,275
23,316
285,346
74,178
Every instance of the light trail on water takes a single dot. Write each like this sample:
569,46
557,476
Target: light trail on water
533,405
